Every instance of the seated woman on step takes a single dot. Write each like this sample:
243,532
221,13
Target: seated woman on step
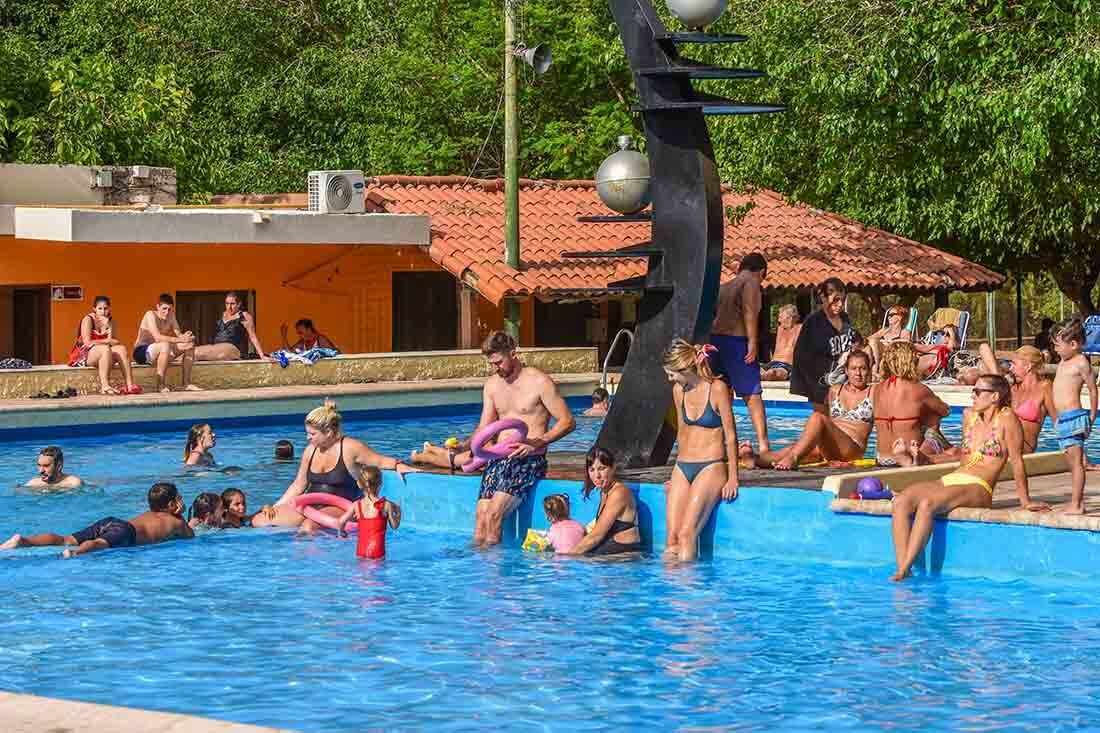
906,411
97,347
232,334
702,476
837,435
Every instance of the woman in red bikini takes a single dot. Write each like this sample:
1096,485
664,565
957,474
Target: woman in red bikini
97,347
905,409
373,513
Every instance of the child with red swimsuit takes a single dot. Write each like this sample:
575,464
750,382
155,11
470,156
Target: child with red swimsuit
373,512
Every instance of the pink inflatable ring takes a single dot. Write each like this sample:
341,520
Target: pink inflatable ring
484,453
307,503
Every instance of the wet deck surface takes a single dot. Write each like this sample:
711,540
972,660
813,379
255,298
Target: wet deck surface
569,466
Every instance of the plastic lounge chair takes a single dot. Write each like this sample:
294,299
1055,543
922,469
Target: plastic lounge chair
962,325
1092,336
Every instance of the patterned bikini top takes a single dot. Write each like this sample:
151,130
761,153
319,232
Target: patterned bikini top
991,448
863,412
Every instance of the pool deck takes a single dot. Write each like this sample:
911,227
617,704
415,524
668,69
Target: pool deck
33,714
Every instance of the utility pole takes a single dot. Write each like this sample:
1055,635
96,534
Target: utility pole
511,163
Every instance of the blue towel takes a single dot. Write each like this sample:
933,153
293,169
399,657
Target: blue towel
308,357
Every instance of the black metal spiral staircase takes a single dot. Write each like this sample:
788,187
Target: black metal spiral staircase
680,289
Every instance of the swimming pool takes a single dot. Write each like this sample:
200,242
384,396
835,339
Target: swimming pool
261,627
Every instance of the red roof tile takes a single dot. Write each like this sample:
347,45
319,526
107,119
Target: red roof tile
803,245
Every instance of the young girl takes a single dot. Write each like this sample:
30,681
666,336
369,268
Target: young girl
373,512
236,509
564,532
200,439
207,510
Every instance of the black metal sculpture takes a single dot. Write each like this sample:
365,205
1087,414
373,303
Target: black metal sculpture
680,290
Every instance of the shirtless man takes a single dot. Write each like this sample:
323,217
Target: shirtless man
160,342
51,473
524,393
164,521
779,368
734,334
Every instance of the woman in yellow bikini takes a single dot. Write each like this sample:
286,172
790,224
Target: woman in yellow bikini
992,436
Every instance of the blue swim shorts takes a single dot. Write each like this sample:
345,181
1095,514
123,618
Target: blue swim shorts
1072,428
729,363
515,476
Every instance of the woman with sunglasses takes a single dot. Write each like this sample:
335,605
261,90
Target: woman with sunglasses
616,529
992,437
894,330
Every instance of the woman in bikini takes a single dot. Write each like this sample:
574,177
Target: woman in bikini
840,434
991,437
97,347
331,467
906,411
231,334
701,476
1032,396
616,528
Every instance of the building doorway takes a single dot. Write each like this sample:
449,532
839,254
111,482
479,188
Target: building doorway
199,310
425,311
31,324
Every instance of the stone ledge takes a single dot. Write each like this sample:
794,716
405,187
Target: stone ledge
1052,520
33,714
343,369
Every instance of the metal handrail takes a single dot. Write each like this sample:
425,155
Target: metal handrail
611,350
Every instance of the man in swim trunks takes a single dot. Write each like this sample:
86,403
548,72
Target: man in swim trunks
779,368
160,343
164,521
51,471
735,334
523,393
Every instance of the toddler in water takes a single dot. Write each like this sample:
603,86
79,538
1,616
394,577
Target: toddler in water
565,533
373,512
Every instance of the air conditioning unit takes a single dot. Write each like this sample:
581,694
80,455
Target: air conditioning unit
337,192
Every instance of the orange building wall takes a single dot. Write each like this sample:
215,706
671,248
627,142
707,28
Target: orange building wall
345,289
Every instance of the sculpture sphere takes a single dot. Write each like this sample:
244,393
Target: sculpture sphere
623,179
697,13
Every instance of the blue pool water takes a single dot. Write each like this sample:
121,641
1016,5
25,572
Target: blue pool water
262,627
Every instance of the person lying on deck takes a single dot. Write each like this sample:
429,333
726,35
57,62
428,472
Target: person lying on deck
837,435
991,438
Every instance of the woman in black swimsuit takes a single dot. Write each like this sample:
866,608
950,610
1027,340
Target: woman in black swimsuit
330,465
232,334
616,529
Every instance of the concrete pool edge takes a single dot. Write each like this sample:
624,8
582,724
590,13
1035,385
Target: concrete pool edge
21,713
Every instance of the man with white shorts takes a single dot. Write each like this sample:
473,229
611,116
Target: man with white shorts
160,342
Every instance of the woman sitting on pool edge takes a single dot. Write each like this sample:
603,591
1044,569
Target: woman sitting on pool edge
701,476
842,433
616,529
97,347
232,333
332,466
991,438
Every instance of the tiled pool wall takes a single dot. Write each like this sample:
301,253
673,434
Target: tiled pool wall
787,524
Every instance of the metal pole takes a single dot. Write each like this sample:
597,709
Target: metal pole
1019,311
991,319
511,163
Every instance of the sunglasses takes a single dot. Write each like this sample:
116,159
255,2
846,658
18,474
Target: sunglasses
978,390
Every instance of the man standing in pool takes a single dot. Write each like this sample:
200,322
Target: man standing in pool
51,471
522,393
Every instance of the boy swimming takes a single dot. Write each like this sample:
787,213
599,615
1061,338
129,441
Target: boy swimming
164,521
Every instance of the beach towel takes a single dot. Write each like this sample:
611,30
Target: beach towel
308,357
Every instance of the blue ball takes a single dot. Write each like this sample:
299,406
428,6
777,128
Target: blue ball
869,485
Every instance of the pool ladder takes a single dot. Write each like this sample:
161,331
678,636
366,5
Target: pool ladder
611,350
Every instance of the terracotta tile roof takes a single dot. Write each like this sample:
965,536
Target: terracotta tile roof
803,245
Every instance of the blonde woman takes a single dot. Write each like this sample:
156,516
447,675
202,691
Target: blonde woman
905,409
1032,396
331,464
894,330
706,439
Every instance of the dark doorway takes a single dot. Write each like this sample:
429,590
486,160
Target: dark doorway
31,320
563,324
425,311
199,310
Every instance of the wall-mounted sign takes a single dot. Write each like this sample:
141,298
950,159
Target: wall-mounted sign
67,292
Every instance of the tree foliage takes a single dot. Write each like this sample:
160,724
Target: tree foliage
972,125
